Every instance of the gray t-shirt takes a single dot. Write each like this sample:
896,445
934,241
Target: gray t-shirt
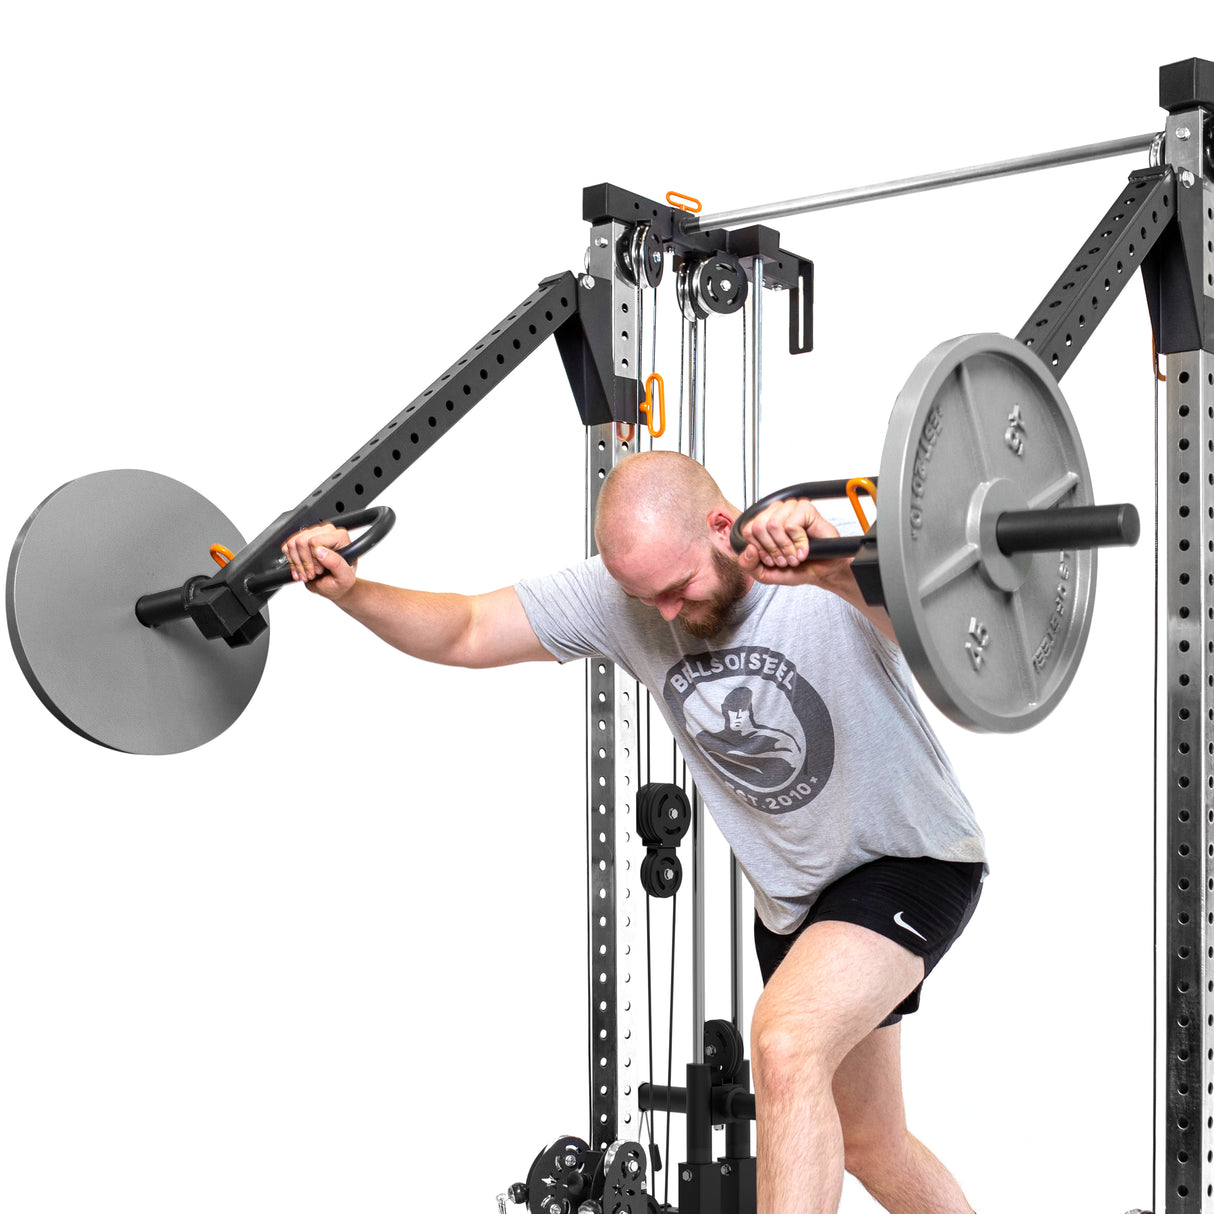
799,723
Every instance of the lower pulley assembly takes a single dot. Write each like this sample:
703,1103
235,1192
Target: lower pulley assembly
663,815
567,1177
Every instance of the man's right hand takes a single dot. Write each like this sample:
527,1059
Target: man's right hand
778,541
312,554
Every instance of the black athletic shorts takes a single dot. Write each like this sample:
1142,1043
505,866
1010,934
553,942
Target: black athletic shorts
922,904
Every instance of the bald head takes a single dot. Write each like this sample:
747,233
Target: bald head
655,493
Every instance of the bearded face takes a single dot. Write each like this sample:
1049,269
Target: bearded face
703,620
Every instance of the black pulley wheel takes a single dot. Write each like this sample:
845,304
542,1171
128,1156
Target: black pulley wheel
557,1180
663,814
661,874
723,1047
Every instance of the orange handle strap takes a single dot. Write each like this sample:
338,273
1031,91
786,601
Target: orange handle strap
647,405
692,205
221,555
860,482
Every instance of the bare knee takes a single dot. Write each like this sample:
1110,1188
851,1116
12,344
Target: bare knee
790,1051
871,1155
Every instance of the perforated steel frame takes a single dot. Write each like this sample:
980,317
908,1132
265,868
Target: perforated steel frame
618,1024
1184,1177
1186,803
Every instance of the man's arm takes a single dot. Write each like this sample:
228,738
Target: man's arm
453,629
779,539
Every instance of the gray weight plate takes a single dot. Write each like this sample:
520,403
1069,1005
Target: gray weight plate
77,568
981,427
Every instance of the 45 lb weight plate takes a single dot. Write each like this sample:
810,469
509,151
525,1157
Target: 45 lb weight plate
980,430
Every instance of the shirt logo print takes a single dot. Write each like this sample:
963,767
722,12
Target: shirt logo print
757,721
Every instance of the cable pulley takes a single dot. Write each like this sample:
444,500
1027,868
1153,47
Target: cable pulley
663,817
724,1049
663,814
568,1177
983,552
641,257
690,304
720,282
707,285
661,872
624,1188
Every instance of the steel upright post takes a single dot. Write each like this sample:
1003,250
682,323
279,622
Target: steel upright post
1181,290
618,1028
737,959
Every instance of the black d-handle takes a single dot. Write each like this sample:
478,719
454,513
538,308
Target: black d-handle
378,520
820,549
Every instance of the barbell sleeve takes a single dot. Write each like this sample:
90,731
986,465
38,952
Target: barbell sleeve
1073,527
165,606
1030,531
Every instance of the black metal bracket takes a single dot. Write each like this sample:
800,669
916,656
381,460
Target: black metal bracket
727,1184
1121,242
782,270
1158,224
584,342
1182,312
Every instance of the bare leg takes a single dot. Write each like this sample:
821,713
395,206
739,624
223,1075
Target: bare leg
835,986
893,1165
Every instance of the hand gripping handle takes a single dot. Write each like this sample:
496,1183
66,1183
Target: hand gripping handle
820,549
378,520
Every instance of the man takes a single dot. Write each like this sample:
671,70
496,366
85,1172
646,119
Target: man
863,852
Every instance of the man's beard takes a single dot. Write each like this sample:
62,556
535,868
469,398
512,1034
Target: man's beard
714,614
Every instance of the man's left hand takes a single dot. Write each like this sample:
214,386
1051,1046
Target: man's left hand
779,541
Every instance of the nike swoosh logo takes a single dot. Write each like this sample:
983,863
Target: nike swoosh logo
901,922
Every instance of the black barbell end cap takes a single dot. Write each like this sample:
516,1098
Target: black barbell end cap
1131,526
1073,527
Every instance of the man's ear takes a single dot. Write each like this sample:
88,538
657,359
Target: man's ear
720,523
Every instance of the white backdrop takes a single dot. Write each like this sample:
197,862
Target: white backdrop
238,238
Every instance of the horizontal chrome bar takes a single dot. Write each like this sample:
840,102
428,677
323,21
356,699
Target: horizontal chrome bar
915,185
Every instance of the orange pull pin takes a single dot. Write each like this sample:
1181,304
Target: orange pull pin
221,555
860,482
647,405
692,205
